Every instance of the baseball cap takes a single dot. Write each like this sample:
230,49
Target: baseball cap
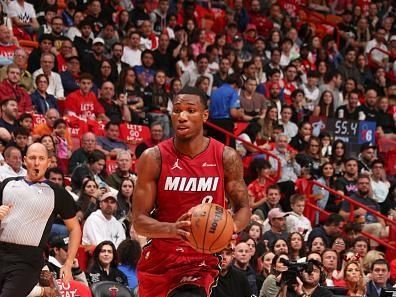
276,213
59,241
237,38
98,40
366,146
392,38
107,196
251,27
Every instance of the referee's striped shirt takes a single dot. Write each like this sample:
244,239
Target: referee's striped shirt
34,207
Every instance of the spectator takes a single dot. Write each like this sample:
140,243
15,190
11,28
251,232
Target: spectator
20,59
325,107
253,104
338,157
9,88
185,60
139,13
49,143
310,159
223,109
13,164
380,274
55,86
190,77
57,258
83,102
331,228
123,171
20,140
333,82
372,224
290,169
290,128
163,58
88,198
348,68
46,43
300,141
354,279
71,76
257,190
350,111
145,72
105,73
366,156
156,136
116,109
92,61
23,17
220,77
132,53
8,46
117,65
8,119
41,100
110,144
156,100
278,230
104,265
110,37
83,43
296,221
317,245
124,198
379,184
80,156
377,57
66,51
94,15
102,225
271,286
241,264
148,38
129,252
232,283
346,185
297,246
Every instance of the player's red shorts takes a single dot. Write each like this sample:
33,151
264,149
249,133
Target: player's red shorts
164,267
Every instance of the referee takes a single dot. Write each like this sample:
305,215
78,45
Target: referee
28,206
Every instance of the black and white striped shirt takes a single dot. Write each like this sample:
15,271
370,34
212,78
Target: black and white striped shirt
34,207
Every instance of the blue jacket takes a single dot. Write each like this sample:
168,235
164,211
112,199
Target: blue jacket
42,104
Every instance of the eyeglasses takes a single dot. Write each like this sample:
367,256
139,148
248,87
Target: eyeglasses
339,243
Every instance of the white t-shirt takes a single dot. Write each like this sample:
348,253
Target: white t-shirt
24,13
131,57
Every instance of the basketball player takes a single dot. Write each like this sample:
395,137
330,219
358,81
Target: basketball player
173,177
28,207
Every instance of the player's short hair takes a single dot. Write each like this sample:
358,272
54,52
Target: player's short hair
187,90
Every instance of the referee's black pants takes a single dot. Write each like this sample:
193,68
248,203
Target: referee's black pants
20,268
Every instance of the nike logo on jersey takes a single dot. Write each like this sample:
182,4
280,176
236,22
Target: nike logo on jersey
208,165
189,279
191,184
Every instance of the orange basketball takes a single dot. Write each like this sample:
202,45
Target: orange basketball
212,227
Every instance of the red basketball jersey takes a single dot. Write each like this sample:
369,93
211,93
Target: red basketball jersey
186,182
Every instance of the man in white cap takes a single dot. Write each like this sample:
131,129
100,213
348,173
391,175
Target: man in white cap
92,62
278,226
102,225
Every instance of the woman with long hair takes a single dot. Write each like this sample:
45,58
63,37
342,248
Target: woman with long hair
105,74
129,252
279,246
104,265
327,200
339,244
270,286
268,123
325,106
129,85
338,157
317,244
220,42
200,44
124,199
297,246
185,61
123,23
203,83
354,279
49,143
349,86
87,200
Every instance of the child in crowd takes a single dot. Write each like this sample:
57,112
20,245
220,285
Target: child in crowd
296,221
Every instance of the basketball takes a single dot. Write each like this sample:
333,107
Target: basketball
212,227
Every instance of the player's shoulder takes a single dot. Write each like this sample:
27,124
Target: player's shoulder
230,154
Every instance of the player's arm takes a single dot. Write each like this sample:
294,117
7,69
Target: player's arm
143,203
236,188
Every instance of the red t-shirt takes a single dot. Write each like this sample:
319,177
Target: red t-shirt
86,107
258,190
7,53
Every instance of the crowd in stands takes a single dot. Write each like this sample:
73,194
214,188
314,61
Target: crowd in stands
303,78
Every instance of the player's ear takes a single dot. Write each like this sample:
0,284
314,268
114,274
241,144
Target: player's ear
205,115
